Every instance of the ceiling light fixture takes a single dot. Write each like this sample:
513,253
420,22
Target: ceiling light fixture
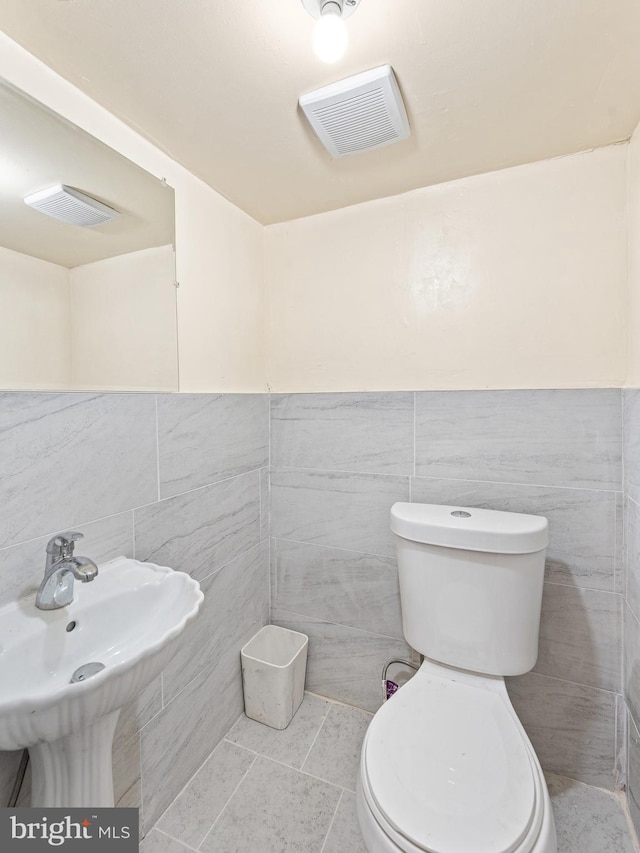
330,34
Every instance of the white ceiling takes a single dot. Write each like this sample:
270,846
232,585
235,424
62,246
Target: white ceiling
38,149
487,84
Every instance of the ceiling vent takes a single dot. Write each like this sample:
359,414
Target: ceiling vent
71,206
359,113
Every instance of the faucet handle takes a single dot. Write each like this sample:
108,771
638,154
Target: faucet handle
62,545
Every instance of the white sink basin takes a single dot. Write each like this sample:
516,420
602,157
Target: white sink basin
129,619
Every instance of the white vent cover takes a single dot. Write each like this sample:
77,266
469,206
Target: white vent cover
71,206
359,113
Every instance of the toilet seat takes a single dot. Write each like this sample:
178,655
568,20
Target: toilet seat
446,767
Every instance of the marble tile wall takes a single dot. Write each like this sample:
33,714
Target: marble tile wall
631,588
175,479
339,461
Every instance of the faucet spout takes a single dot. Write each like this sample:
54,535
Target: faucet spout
62,566
82,568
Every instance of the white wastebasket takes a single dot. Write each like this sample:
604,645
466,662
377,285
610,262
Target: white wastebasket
274,664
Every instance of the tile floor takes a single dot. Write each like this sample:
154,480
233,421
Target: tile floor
266,791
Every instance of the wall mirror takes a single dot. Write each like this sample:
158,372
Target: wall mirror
82,308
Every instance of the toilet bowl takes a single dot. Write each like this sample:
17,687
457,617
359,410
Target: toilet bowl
446,766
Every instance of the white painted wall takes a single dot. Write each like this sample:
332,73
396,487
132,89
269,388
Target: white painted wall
633,376
513,279
123,322
218,247
516,278
34,310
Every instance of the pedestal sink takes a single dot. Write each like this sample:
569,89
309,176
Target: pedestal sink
113,640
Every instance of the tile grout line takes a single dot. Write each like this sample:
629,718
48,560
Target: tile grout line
142,787
157,449
242,554
254,470
291,767
196,489
350,472
222,811
313,742
632,611
326,838
616,767
340,625
187,783
85,522
620,568
340,703
177,840
620,559
613,693
51,533
389,557
624,805
582,588
208,666
334,547
414,445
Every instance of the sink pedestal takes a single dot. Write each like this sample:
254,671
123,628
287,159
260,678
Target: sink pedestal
75,771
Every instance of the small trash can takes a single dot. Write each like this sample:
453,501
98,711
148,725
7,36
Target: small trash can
274,664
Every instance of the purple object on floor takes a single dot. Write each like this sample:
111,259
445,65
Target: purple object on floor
391,688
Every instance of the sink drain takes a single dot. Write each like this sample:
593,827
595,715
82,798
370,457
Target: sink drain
86,671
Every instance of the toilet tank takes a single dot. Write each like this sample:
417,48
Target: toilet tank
471,585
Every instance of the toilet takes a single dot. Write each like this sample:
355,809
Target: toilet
446,766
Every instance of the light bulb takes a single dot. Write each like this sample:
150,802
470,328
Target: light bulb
330,36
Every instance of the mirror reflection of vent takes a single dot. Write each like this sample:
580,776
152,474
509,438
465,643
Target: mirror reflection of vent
359,113
71,206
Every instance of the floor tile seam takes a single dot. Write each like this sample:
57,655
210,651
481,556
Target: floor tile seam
624,805
224,808
195,773
333,818
173,838
317,734
185,786
299,770
340,703
339,625
609,791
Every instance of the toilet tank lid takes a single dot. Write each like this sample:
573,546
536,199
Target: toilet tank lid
470,528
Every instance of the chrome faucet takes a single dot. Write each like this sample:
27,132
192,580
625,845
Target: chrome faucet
56,589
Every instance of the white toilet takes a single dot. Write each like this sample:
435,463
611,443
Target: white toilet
446,765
